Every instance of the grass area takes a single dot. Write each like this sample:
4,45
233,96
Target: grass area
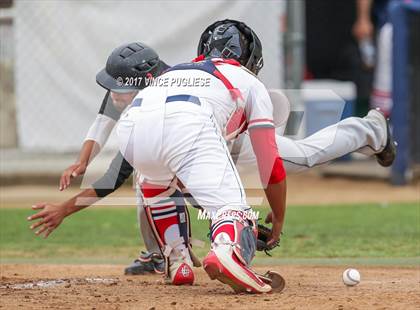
109,234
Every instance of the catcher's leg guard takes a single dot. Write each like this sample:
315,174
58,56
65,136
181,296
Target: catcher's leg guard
166,213
233,246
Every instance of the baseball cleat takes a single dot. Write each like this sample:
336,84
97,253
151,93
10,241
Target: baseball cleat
221,264
387,156
181,273
145,264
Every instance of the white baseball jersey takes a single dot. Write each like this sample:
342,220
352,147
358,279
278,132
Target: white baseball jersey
213,92
175,127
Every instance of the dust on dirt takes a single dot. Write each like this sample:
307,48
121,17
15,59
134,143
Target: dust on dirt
104,287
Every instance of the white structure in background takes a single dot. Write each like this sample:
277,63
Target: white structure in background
61,45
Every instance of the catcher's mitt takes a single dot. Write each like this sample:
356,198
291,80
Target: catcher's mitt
264,234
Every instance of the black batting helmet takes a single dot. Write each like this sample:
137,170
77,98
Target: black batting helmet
232,39
128,66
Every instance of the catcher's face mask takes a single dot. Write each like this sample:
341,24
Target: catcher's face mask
226,42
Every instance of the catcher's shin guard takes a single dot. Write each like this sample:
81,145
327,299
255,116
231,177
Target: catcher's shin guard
233,246
168,218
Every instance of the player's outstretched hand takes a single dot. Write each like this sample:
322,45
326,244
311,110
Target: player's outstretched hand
71,172
275,230
50,217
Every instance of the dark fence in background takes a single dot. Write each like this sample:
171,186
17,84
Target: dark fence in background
405,86
414,76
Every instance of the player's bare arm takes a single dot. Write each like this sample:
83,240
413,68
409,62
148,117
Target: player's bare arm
363,26
276,196
273,177
270,165
89,150
50,216
113,104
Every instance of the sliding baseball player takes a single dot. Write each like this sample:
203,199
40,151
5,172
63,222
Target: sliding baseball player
369,135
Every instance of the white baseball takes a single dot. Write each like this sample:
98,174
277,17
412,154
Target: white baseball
351,277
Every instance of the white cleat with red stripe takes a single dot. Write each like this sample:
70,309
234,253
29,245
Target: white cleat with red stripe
181,274
180,267
223,264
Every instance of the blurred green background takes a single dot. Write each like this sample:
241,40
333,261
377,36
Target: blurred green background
372,233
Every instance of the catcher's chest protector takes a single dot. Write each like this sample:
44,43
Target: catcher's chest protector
237,121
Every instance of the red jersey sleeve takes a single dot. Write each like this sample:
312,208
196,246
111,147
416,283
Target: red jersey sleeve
270,165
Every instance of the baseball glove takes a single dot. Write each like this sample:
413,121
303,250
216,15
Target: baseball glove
264,234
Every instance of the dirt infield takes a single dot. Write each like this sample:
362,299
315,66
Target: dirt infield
104,287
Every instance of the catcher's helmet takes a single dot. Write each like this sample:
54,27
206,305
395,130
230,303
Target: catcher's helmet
128,62
232,39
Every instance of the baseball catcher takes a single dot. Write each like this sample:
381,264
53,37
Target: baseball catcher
230,56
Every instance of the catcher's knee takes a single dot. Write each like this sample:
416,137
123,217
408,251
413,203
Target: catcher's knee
235,228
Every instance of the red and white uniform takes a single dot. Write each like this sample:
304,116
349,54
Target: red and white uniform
178,130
